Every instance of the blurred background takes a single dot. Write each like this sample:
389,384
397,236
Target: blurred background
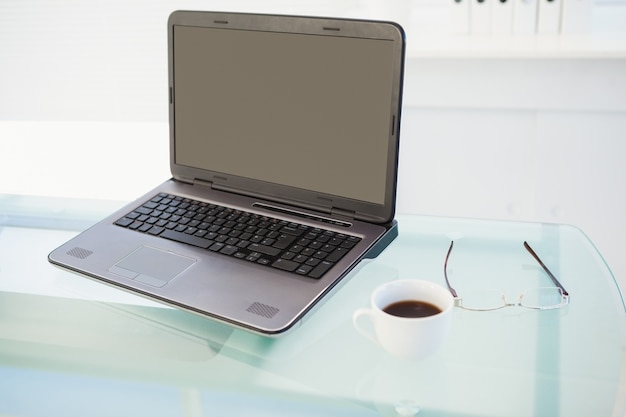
499,121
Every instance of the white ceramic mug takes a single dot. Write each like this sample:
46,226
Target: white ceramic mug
407,337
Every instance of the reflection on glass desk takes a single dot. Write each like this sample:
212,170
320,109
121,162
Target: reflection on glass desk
71,346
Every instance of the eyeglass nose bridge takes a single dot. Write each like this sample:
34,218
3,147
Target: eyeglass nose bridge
497,299
511,301
517,303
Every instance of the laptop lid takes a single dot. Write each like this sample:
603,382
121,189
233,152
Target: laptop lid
298,110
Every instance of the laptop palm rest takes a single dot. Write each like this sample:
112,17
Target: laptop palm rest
152,266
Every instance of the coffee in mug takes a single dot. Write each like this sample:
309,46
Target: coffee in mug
408,318
412,309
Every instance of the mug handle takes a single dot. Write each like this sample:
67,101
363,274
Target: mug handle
357,317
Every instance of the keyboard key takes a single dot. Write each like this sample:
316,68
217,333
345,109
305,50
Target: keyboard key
321,269
285,265
143,210
216,247
337,254
284,241
312,262
300,259
155,230
303,269
185,238
288,255
124,222
348,244
291,230
266,250
229,250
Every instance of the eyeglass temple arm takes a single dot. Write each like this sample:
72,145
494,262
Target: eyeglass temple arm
545,268
445,271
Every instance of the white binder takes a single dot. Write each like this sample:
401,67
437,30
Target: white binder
525,16
549,16
480,16
502,16
576,16
459,11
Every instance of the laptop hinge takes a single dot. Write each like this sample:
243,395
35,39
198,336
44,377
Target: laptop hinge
203,183
342,212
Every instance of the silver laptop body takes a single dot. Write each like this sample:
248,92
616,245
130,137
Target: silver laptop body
290,120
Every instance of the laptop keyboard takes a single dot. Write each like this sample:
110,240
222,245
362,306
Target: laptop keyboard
301,249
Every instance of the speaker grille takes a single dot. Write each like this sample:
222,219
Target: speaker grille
80,253
263,310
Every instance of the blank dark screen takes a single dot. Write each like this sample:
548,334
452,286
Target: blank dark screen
305,111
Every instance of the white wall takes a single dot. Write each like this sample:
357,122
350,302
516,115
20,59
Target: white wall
520,139
563,167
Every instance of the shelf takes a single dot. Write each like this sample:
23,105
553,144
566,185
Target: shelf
428,36
587,46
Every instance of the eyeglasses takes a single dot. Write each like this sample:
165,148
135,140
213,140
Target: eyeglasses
544,298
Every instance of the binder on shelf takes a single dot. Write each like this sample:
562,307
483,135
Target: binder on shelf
525,16
459,16
576,16
480,16
502,16
549,16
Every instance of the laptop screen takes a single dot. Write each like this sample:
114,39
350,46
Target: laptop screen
310,112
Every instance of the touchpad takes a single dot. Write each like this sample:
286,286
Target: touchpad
152,266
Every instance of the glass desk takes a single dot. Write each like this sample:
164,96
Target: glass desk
71,346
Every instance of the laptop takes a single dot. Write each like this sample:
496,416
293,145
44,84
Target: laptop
284,135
